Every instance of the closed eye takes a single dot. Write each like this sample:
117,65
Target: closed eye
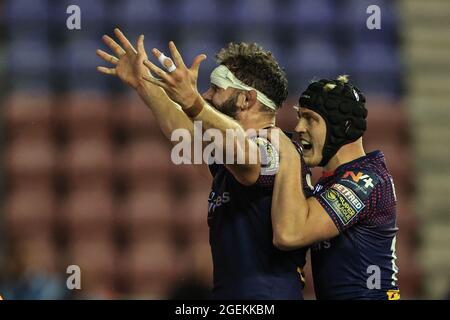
214,87
309,117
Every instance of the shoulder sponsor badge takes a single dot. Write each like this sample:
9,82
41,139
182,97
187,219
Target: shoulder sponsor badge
344,202
361,182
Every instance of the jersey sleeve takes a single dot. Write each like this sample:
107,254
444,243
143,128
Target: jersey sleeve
352,198
270,164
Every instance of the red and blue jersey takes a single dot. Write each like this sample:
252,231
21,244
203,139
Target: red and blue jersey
246,263
359,263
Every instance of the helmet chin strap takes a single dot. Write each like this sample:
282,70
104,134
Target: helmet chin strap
328,152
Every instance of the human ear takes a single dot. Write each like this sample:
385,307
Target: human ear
251,97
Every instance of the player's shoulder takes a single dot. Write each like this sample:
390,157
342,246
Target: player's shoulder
360,181
268,153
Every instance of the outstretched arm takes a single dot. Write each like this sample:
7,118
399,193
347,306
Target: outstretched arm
128,66
296,221
181,86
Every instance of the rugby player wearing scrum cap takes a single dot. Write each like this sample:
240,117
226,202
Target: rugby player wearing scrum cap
351,219
247,88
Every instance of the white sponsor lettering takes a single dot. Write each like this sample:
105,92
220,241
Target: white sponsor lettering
349,195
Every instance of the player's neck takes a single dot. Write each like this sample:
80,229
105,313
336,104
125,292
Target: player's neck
345,154
256,122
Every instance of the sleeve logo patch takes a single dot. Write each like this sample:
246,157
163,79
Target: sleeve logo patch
362,183
393,294
269,156
343,202
348,194
359,178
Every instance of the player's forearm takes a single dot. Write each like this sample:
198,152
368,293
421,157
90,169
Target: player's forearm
289,205
168,114
245,162
211,118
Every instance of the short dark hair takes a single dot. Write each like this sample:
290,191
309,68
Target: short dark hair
257,68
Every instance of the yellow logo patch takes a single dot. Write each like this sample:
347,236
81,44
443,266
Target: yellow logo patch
393,294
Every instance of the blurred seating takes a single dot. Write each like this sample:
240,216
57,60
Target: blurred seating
391,121
27,18
145,161
187,178
311,59
400,165
287,116
28,160
305,16
376,68
197,12
149,268
197,263
87,162
18,11
29,213
409,276
88,213
353,17
407,219
28,114
190,215
387,123
23,54
77,62
138,16
35,257
130,114
97,261
85,115
147,214
93,13
262,12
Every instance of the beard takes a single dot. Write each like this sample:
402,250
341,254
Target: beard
228,107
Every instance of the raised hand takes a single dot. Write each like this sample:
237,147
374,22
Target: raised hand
180,84
128,63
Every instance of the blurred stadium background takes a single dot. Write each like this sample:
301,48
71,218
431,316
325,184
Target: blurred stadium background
86,177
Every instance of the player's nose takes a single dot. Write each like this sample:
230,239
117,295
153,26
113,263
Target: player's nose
207,95
300,127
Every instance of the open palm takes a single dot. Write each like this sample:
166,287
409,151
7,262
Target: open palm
128,61
180,84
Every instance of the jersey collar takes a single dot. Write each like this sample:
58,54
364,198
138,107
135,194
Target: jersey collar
376,155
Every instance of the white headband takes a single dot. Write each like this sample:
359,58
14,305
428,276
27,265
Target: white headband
224,78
